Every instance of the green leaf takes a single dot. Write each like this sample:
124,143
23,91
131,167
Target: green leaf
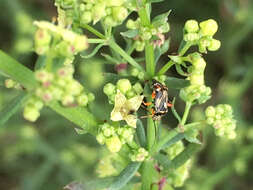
148,174
40,63
180,70
110,59
161,50
17,71
174,111
160,19
163,160
188,152
176,83
154,1
78,115
130,33
173,140
12,108
125,176
141,133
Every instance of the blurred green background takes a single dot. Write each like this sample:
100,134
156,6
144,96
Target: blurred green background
49,154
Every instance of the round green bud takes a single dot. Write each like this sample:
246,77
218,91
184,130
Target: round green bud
109,89
134,72
208,27
31,113
162,78
130,93
109,21
82,7
231,135
141,76
112,98
138,88
98,11
74,87
191,26
38,104
100,138
86,17
210,120
114,3
113,144
190,37
108,132
42,37
220,132
219,109
89,6
82,100
214,45
65,49
67,100
145,33
131,24
91,97
9,83
80,43
119,13
139,45
124,85
108,11
210,111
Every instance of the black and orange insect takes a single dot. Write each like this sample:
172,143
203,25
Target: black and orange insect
160,100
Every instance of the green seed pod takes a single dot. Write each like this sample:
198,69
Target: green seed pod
191,26
124,85
208,27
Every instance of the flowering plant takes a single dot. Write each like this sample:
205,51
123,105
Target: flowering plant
151,160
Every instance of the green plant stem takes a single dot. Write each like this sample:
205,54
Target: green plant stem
96,41
186,113
184,49
165,67
150,59
93,30
128,58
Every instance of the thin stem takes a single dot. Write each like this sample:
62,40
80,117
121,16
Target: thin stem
95,41
186,113
128,58
93,30
184,49
165,68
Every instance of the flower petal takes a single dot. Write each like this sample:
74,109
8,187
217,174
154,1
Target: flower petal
134,103
131,120
120,100
116,115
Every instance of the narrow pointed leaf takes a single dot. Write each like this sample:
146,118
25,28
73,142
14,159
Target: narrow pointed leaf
125,176
176,83
130,33
141,133
12,108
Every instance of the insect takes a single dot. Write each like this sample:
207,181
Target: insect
160,100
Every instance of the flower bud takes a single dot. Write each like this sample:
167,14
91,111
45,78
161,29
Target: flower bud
130,94
82,100
138,88
91,97
141,76
109,21
100,138
114,3
131,24
113,144
134,72
86,17
31,113
164,28
208,27
124,85
119,13
67,100
210,111
9,83
140,45
191,26
98,11
214,45
80,43
190,37
65,49
109,89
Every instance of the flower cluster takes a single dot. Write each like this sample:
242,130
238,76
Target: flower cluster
178,176
202,34
59,86
197,89
126,99
63,42
139,155
114,137
221,118
110,12
155,30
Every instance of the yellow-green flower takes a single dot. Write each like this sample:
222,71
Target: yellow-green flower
124,108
